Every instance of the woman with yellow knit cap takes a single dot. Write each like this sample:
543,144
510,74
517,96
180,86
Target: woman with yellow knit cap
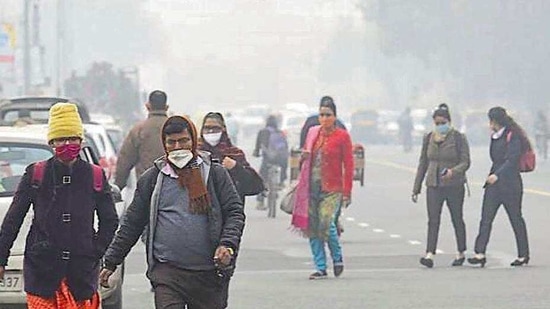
62,250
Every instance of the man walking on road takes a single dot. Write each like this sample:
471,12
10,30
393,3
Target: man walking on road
143,144
63,249
195,221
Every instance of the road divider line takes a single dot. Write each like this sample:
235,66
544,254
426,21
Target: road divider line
363,224
414,242
350,219
378,230
395,236
438,251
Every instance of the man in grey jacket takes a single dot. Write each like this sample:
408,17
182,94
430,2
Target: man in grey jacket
195,220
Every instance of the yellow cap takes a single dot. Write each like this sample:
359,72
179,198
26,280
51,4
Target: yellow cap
64,121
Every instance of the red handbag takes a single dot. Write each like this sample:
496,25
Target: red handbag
528,159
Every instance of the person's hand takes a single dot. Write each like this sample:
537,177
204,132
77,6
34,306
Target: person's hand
229,163
104,277
2,270
223,255
346,201
448,175
414,197
492,179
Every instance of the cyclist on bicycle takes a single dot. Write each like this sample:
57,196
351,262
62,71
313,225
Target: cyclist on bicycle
272,145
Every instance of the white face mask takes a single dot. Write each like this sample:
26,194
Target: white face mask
180,157
213,139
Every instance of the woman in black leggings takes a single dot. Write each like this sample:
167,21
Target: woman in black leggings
444,160
504,185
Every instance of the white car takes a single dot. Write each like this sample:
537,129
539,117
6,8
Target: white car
97,135
19,147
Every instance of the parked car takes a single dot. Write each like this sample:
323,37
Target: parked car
114,130
105,146
35,110
20,147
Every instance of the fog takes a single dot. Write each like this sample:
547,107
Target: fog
217,54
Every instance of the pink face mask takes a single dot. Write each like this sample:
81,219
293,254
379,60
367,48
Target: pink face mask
67,152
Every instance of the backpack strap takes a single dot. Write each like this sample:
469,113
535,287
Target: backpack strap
98,177
509,137
38,173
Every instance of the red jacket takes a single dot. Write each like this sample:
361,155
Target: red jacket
337,165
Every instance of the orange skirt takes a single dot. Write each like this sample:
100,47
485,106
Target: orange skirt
63,299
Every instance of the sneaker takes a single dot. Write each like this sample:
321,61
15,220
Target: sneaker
338,269
318,275
427,262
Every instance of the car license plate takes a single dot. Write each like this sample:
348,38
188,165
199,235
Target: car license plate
13,282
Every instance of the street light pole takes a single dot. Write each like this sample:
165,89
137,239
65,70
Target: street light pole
59,49
27,49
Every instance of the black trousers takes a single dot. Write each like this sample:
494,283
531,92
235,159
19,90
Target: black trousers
511,197
176,288
435,197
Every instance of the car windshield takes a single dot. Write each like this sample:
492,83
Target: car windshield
14,158
39,115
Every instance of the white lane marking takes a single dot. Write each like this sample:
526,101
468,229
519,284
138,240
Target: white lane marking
363,224
395,236
378,230
414,242
350,219
438,251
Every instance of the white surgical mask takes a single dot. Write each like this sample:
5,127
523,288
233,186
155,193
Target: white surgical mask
213,139
180,157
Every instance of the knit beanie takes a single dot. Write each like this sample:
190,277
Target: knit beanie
64,121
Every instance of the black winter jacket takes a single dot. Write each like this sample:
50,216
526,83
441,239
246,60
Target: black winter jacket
226,216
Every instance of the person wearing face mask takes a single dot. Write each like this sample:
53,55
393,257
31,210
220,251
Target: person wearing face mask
63,249
324,186
444,160
195,221
504,185
215,140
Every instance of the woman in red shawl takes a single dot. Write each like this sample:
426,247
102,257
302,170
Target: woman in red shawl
214,139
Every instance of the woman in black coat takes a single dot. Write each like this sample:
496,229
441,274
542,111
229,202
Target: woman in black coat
504,185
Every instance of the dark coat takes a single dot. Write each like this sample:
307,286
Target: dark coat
246,179
505,157
226,216
50,236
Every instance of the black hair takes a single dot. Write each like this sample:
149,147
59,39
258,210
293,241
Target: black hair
327,101
173,126
500,116
215,115
442,111
272,121
158,99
